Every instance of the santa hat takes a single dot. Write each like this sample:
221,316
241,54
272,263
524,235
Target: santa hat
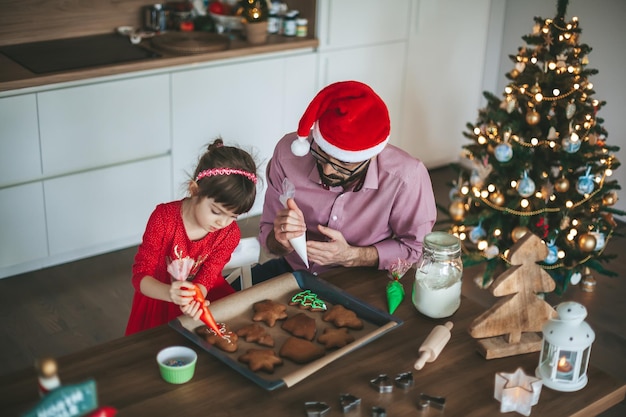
350,122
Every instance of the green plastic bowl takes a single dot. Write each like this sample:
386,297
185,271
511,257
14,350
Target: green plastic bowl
177,364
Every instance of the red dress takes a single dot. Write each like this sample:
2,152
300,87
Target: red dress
165,238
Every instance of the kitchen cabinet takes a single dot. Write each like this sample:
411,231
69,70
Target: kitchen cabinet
104,123
366,40
22,226
20,158
104,209
82,169
249,104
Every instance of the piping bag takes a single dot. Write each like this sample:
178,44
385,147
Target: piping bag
298,243
180,269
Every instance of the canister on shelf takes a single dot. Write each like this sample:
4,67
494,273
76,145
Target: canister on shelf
302,27
289,25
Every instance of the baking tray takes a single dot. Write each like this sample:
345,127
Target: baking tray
236,311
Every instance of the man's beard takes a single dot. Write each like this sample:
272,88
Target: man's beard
333,180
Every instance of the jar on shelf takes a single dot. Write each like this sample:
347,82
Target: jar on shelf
302,25
437,287
289,23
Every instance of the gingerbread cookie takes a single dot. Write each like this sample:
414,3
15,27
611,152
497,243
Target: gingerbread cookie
300,350
269,311
226,341
335,338
261,360
343,317
300,325
308,300
256,333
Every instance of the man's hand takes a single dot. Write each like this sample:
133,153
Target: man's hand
288,224
337,251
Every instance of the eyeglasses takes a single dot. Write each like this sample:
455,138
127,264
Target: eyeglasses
340,169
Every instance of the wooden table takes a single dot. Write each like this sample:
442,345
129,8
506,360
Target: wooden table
128,379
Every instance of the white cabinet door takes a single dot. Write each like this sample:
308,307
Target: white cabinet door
444,77
103,124
104,209
379,66
247,104
349,23
22,225
19,140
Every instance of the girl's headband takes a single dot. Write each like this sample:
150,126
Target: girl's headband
225,171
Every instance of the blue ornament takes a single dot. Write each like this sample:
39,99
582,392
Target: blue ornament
553,254
526,186
585,183
570,146
503,152
477,233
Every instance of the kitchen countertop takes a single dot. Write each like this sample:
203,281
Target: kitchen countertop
13,76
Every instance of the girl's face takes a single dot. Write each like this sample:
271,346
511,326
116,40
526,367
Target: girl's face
210,215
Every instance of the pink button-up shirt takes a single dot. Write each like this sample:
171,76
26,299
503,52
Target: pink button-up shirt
393,211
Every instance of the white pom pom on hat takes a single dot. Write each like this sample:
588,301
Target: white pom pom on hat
350,122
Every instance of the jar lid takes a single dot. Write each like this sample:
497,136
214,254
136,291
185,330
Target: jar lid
442,242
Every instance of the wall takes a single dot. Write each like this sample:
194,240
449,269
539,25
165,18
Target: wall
603,28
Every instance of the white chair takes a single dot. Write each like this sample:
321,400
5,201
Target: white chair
245,255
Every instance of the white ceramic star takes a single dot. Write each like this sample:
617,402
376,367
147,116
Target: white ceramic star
517,391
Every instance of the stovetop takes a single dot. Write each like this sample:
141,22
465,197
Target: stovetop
76,53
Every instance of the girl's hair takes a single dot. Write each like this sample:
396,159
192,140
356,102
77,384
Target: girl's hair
234,185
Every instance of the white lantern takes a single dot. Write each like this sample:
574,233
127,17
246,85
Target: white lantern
566,347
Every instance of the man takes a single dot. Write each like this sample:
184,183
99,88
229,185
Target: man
360,201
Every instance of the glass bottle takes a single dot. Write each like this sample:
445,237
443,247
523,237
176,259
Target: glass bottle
437,287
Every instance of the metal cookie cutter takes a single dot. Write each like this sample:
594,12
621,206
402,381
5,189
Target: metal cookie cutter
404,380
428,400
349,402
316,409
379,412
382,383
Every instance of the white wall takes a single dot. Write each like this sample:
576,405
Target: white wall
603,28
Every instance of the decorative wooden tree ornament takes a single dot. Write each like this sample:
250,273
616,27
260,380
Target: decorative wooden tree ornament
510,327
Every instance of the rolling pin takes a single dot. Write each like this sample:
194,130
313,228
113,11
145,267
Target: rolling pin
433,345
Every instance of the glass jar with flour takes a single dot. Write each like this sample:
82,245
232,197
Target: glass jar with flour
437,288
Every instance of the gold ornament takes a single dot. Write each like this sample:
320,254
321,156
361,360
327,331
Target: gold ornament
457,210
532,117
497,198
514,73
518,232
492,130
561,185
587,242
609,198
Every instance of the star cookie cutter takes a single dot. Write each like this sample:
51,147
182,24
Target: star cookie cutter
316,408
431,401
349,402
404,380
382,383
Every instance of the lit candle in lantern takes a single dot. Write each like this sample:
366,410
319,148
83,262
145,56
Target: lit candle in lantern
564,368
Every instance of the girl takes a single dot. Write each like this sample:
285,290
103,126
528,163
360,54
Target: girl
197,235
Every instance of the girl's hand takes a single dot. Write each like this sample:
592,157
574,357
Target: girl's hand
193,309
181,293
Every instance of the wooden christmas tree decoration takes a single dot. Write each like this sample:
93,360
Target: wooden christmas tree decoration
511,326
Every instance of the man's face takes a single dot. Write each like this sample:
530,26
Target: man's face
333,172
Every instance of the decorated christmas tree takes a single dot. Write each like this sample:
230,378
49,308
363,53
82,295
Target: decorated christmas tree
539,161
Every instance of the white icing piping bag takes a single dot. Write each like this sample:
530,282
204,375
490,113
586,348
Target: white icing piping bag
298,243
